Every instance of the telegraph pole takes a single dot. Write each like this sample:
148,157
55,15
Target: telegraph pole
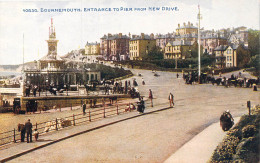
199,17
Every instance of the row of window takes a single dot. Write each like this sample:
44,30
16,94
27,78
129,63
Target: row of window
229,51
229,58
229,64
133,54
174,48
133,48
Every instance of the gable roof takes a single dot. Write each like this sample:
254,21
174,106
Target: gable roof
221,48
178,43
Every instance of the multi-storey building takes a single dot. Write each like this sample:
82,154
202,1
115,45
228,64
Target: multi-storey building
139,46
162,40
186,29
220,52
210,40
114,47
92,51
187,32
178,49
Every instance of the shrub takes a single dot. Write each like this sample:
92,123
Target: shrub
248,131
235,132
226,149
247,150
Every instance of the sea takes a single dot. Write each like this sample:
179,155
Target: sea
9,73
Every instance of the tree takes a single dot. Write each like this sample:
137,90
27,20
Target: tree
154,54
243,56
194,50
253,42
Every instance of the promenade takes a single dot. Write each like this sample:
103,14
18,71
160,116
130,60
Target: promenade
152,137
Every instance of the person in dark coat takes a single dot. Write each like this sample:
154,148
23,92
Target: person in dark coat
84,109
21,129
151,97
28,130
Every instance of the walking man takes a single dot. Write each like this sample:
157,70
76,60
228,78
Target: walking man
28,130
151,97
171,98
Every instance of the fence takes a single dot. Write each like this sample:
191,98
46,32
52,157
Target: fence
91,114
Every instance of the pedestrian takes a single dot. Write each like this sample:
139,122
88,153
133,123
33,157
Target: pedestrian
143,81
21,129
34,90
84,109
151,97
28,130
177,75
171,98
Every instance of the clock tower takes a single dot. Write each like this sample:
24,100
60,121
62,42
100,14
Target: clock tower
52,42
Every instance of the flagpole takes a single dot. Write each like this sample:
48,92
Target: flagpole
199,17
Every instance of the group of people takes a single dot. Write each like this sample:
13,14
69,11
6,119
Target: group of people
27,129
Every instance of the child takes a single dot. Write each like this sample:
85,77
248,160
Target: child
36,134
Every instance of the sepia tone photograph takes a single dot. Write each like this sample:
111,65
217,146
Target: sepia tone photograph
125,81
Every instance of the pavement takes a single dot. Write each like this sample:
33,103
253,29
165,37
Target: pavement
206,141
14,150
200,148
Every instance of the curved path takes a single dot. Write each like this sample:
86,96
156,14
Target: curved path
152,137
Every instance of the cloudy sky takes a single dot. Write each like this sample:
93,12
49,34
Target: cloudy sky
74,29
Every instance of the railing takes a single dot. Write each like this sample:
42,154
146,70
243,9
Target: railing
91,114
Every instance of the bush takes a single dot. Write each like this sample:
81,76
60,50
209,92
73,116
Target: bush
226,149
242,142
248,131
247,150
235,132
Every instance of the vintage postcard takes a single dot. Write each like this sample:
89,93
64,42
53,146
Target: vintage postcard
173,81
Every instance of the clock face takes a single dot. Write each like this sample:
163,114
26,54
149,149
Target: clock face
52,48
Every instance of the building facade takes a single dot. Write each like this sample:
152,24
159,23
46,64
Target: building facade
220,56
114,47
186,29
139,46
178,49
162,40
92,52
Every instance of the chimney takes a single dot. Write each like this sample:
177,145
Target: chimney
142,35
133,36
129,34
109,35
184,24
188,23
120,35
179,26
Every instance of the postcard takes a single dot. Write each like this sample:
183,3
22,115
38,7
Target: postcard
129,81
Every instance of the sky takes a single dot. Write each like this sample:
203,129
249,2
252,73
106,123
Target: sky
75,29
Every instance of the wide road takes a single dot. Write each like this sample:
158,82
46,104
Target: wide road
152,137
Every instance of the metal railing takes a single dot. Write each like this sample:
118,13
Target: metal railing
91,114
